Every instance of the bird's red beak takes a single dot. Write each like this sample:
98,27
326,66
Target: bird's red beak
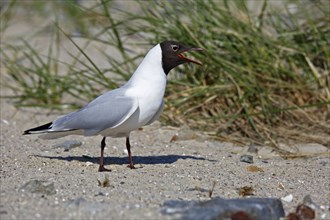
190,60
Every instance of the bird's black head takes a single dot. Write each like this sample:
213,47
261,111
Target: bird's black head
172,55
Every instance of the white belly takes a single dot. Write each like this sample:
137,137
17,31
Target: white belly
148,87
137,120
148,109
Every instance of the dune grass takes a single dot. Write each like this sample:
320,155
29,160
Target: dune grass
265,76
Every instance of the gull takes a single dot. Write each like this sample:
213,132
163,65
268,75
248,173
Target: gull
139,102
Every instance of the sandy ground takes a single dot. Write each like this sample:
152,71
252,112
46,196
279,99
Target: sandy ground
181,170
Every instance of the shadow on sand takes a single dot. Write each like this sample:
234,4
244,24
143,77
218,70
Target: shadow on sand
160,159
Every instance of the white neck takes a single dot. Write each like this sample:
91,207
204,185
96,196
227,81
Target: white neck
150,71
147,85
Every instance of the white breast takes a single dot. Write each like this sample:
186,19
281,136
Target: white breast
147,85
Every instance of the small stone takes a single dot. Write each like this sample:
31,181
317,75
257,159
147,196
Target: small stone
287,198
100,194
253,149
307,200
39,186
312,148
88,163
267,153
246,158
5,121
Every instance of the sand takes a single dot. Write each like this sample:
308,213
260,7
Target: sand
181,170
184,169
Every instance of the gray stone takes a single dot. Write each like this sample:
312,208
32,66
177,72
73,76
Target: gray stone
312,148
252,149
246,158
39,186
219,208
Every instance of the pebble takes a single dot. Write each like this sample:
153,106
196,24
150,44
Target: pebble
287,198
88,163
39,186
5,121
219,208
312,148
246,158
252,149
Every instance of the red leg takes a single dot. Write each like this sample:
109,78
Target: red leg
128,147
101,167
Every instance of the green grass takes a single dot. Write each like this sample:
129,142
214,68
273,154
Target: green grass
265,76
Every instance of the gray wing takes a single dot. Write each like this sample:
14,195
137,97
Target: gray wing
106,111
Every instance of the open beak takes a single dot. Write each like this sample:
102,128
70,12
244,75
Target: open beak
189,60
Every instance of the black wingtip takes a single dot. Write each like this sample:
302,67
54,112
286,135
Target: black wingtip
39,128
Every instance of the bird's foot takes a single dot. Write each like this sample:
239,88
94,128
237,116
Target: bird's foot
131,166
103,169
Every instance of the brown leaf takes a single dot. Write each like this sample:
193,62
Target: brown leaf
174,138
292,216
246,191
253,168
240,215
305,212
281,186
105,182
212,188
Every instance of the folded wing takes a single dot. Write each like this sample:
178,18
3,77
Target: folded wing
107,111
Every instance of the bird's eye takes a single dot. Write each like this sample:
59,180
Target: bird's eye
175,47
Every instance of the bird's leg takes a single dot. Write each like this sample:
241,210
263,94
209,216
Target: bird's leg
101,167
128,147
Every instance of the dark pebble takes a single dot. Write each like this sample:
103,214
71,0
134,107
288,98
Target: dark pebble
246,158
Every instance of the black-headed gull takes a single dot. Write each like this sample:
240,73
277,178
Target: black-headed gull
116,113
